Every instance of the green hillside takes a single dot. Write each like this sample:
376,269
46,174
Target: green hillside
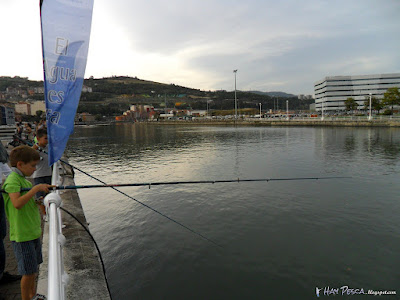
114,95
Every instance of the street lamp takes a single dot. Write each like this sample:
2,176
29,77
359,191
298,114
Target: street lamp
370,107
287,110
260,110
235,71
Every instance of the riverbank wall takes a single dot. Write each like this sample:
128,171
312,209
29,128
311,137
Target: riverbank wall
285,123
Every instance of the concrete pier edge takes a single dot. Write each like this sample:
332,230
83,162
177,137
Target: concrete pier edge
81,259
283,123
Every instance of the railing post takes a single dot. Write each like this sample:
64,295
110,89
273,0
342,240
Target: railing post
57,278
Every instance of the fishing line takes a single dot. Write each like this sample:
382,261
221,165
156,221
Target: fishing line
97,247
149,207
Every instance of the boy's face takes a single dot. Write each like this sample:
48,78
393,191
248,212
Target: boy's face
42,141
27,168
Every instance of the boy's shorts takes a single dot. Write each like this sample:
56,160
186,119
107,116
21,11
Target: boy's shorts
28,255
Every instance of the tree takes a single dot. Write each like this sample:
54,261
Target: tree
376,103
39,113
391,97
351,104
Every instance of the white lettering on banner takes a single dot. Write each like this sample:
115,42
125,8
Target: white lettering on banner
53,117
61,73
61,46
55,97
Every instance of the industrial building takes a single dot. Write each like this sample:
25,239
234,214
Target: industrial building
332,92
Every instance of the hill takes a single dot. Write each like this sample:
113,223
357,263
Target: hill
275,94
114,95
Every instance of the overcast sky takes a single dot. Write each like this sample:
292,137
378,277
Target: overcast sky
275,45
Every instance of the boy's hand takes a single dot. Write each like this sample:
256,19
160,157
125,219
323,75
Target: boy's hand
43,187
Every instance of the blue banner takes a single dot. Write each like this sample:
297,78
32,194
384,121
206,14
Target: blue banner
65,42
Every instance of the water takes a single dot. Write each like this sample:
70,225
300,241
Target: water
280,240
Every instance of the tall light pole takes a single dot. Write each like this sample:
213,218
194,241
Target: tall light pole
235,71
287,110
260,110
274,105
370,107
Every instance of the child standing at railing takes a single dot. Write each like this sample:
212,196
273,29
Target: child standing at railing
43,171
24,217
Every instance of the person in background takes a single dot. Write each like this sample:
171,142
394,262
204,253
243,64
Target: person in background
42,124
5,277
43,170
29,134
20,129
23,215
17,136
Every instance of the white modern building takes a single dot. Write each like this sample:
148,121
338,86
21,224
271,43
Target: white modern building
331,92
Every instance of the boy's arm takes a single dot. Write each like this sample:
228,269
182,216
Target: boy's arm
19,201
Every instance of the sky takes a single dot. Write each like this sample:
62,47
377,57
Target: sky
283,45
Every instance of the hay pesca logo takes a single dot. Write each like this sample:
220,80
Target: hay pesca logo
344,290
347,291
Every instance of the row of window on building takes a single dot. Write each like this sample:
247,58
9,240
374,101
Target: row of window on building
332,92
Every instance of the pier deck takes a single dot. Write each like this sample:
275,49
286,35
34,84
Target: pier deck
12,290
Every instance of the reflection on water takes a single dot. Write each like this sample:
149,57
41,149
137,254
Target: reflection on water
281,239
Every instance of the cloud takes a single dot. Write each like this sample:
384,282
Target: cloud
275,44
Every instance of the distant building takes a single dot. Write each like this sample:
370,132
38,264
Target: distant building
39,90
36,106
86,117
23,108
331,92
7,115
86,89
198,113
166,116
304,97
142,112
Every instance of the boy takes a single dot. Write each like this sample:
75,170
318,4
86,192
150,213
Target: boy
43,171
24,217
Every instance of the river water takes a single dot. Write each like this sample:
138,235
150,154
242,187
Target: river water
280,239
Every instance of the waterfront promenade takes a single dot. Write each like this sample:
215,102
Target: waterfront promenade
355,121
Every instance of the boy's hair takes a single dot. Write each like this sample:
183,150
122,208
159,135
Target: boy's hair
41,132
23,153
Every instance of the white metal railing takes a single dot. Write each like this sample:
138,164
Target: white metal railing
57,278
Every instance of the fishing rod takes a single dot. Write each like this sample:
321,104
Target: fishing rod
150,184
130,197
